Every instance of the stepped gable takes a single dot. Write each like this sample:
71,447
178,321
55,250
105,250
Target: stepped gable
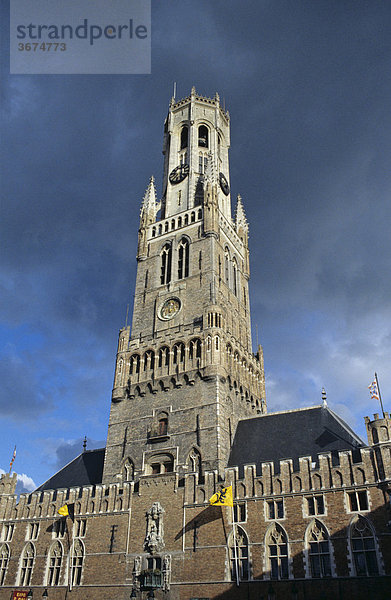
290,434
85,469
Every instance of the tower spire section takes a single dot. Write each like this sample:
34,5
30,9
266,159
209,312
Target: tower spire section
186,373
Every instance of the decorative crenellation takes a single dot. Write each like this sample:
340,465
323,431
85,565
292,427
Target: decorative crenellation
326,473
198,98
87,500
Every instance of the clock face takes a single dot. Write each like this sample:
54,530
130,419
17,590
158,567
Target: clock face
179,174
224,184
170,308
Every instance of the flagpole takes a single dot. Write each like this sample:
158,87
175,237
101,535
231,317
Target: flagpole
380,400
12,460
235,549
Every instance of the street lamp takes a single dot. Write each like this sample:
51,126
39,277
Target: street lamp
30,594
45,594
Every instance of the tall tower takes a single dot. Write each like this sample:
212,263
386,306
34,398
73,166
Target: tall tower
185,372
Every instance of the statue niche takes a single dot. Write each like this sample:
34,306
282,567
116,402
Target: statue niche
154,540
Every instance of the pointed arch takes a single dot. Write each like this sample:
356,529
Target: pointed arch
164,357
127,469
276,543
318,549
4,561
363,547
54,563
165,263
235,282
27,564
203,136
238,554
183,258
77,561
227,263
194,461
184,137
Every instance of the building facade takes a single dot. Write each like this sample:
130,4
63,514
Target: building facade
311,515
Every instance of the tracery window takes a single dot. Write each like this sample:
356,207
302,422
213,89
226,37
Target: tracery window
166,259
277,552
235,286
4,560
134,364
77,559
363,547
54,564
183,258
149,360
226,266
238,554
128,470
319,550
178,353
27,565
195,349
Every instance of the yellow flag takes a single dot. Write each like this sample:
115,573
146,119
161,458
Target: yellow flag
222,497
63,511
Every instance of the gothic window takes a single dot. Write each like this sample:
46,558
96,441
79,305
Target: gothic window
77,559
165,269
200,214
32,531
184,137
235,277
4,560
217,342
134,364
277,552
240,512
202,162
363,547
275,509
54,564
27,563
59,528
192,217
173,222
358,501
8,532
179,221
203,136
178,353
208,343
315,505
128,470
149,360
238,554
80,527
183,258
195,461
226,266
153,231
195,349
319,550
164,357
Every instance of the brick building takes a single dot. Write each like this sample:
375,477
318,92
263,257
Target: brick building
311,516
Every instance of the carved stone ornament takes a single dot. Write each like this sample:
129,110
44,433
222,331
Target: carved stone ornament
136,571
154,539
166,572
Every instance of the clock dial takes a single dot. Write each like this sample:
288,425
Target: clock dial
170,308
179,174
224,184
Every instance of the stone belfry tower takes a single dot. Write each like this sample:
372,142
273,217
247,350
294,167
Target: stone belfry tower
185,372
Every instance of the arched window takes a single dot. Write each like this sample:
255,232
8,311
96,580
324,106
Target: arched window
195,461
183,259
54,564
134,364
178,353
195,349
203,136
184,137
363,547
165,269
164,356
235,286
238,554
4,560
149,360
128,470
226,266
277,552
163,425
318,550
77,559
27,564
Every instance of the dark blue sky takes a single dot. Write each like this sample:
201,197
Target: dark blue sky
308,88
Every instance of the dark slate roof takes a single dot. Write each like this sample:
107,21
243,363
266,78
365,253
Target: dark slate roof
291,434
85,469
